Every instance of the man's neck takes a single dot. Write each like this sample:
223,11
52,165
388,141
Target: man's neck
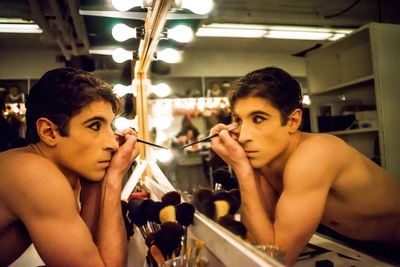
278,165
42,150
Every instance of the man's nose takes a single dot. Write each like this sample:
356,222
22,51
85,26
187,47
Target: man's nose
244,133
111,142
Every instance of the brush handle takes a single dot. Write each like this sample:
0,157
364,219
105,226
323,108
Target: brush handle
142,141
208,137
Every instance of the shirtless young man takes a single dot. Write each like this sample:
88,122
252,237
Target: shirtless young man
291,181
73,156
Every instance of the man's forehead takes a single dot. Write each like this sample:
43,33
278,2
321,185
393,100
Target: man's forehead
96,109
250,105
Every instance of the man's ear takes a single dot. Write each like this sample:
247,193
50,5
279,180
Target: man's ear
46,130
295,119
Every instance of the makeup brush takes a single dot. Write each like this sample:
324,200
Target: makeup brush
221,208
171,198
185,216
224,177
121,140
152,214
168,238
178,230
167,214
235,227
136,215
236,193
208,138
146,211
234,203
203,201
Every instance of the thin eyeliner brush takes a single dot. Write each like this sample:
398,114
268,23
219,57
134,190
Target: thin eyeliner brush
208,137
142,141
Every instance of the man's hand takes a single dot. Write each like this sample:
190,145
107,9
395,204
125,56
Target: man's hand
227,146
127,152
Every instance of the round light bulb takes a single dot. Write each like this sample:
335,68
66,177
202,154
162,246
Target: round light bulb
180,33
121,90
169,55
121,55
164,155
121,32
125,5
122,123
161,89
163,122
198,7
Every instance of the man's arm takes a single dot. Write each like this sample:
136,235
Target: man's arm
307,180
111,234
44,201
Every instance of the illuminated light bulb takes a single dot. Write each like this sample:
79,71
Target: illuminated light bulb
121,90
120,55
198,7
161,89
125,5
169,55
306,100
163,122
181,33
164,155
121,32
122,123
161,138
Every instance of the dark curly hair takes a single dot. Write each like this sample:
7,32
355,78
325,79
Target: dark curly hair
271,83
62,93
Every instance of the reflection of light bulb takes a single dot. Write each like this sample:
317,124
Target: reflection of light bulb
169,55
121,55
198,7
121,32
125,5
161,89
180,33
164,155
121,90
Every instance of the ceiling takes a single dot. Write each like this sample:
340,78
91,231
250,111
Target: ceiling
73,34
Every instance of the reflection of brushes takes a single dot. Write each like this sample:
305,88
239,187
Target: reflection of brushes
141,141
208,137
195,257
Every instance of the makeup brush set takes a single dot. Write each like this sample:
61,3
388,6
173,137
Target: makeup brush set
220,206
163,225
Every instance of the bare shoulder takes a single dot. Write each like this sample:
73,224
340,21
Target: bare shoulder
318,155
29,181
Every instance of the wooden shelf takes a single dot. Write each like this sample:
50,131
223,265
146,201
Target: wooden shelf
355,131
344,85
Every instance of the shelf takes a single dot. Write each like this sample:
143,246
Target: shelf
354,131
344,85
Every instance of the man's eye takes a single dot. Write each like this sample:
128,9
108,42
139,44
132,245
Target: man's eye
258,119
95,126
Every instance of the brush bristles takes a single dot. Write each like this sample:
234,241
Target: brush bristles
171,198
185,214
167,214
221,208
234,226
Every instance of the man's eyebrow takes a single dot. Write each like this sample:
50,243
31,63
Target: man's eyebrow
95,118
259,112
